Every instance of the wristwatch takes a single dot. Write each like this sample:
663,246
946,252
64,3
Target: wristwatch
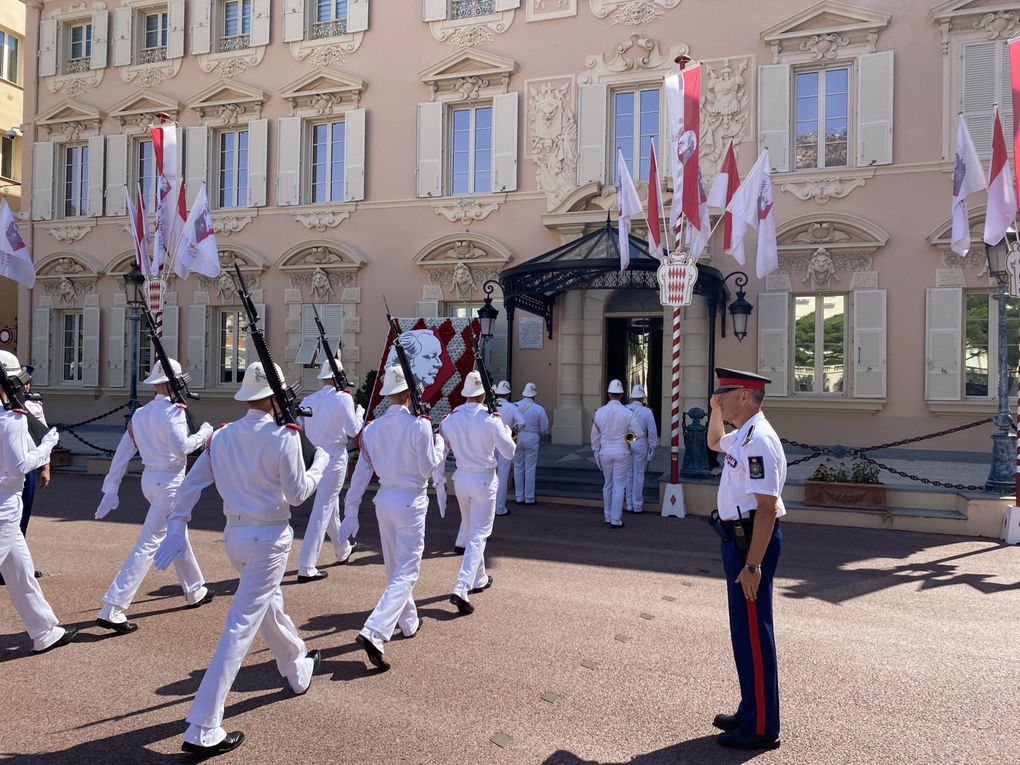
752,568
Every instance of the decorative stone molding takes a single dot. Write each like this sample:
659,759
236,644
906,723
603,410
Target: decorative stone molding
150,75
66,278
69,293
827,30
67,264
323,219
950,277
724,110
321,254
777,281
473,31
73,85
228,103
322,93
67,231
975,259
631,13
138,111
546,10
222,290
322,286
230,64
467,75
327,51
822,190
990,20
551,140
459,264
1000,25
469,209
70,121
817,251
636,56
232,222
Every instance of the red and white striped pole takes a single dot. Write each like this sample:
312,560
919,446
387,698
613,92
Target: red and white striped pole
674,445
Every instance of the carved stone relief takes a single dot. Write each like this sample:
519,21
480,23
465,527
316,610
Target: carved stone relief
631,12
67,292
232,64
822,190
472,32
147,75
71,232
320,220
864,280
975,260
950,277
818,253
724,113
467,211
1000,25
231,223
552,136
544,10
73,85
635,55
459,267
821,268
326,51
321,285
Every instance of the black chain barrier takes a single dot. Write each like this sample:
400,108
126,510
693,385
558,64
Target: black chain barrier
63,428
861,452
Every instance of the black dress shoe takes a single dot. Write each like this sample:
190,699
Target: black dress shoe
228,744
345,561
316,657
374,654
734,739
459,550
485,586
70,633
122,628
726,722
463,606
209,595
38,574
316,577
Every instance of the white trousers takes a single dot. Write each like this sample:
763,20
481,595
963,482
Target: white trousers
259,553
615,462
160,488
325,517
635,496
401,516
503,475
525,462
476,495
19,573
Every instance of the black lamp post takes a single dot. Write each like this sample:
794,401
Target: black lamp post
487,315
134,289
740,309
1002,475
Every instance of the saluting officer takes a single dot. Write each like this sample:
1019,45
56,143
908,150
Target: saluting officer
609,429
259,472
335,420
402,451
158,432
512,418
536,425
750,502
642,449
475,436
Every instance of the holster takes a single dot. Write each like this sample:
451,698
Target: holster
717,526
740,531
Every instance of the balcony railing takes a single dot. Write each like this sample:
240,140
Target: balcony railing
234,42
77,65
152,55
324,29
466,9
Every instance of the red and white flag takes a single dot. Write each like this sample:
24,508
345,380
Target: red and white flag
1014,76
752,208
1001,211
629,204
15,262
655,248
968,177
725,185
171,211
196,249
696,237
683,95
139,230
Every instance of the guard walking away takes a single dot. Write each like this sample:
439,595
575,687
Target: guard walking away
18,456
158,432
609,429
40,477
475,436
642,449
536,425
258,470
512,418
402,451
335,420
750,504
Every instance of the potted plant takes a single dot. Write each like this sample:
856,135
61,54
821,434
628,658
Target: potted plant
854,487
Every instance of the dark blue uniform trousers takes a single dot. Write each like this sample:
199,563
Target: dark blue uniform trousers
27,497
754,639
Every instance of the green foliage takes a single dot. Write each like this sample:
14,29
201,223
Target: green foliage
859,471
364,393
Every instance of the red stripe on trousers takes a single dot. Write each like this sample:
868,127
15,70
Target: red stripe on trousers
759,672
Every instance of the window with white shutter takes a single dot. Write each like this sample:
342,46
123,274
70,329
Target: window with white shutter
869,361
116,340
942,351
41,345
985,80
332,317
592,129
434,10
354,155
430,149
90,344
196,156
773,332
100,37
981,345
288,164
116,173
198,340
42,180
819,345
96,175
123,21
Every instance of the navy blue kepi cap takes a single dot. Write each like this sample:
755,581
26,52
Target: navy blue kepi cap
735,379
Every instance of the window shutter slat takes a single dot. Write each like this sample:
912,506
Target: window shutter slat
171,330
293,20
122,18
357,16
354,155
42,180
47,48
875,109
201,26
116,174
773,338
260,22
943,379
504,142
981,85
41,318
97,153
433,10
100,35
90,347
197,333
175,31
774,114
288,166
196,142
592,124
115,351
430,149
258,158
870,343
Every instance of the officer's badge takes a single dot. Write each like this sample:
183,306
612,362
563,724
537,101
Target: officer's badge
731,461
747,438
756,467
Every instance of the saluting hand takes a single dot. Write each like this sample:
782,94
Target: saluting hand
750,582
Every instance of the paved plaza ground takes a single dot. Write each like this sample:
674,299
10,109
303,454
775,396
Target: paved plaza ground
593,646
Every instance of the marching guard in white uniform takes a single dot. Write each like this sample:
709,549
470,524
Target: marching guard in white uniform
402,451
512,418
536,425
335,419
158,431
642,449
259,472
475,437
609,430
19,456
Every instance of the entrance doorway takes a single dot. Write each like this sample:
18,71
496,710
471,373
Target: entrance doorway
633,351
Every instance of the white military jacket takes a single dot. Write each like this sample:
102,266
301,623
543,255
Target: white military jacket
333,419
644,423
18,456
534,416
511,415
755,463
475,436
610,426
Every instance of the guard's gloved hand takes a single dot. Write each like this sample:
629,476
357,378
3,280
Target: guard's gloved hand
350,526
51,439
359,410
651,453
598,462
169,550
109,503
205,430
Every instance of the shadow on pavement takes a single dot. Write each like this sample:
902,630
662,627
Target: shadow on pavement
696,751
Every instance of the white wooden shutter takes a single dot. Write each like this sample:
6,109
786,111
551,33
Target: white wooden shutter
357,16
90,347
175,34
430,149
507,5
116,174
504,142
426,308
433,10
943,354
773,338
260,18
121,44
774,114
197,334
171,330
196,156
100,36
332,317
47,48
592,127
980,89
116,339
42,180
41,346
258,159
354,155
869,362
288,165
293,20
875,109
97,162
201,26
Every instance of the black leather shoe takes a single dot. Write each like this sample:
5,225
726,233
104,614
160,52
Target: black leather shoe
459,550
726,722
485,586
209,595
374,654
318,575
316,657
70,633
463,606
345,561
122,628
38,574
229,744
734,739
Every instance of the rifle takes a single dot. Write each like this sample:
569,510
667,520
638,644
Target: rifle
285,403
418,406
483,372
178,383
339,375
13,385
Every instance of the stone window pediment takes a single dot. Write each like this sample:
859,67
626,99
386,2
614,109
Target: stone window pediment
995,19
70,121
634,60
228,103
458,265
468,75
824,31
631,13
975,259
324,254
473,30
323,92
138,111
66,278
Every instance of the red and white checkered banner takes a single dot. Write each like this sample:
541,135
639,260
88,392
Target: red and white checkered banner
155,292
677,277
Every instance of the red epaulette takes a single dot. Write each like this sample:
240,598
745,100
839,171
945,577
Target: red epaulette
20,411
180,405
496,414
426,417
347,391
292,426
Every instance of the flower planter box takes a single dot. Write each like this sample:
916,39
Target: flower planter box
858,496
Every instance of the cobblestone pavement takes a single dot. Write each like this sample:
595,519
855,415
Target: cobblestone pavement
594,646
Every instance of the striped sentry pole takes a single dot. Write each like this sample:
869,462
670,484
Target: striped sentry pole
156,304
674,445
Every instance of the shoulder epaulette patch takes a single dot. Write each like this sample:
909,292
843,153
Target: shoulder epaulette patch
747,438
180,405
20,411
292,426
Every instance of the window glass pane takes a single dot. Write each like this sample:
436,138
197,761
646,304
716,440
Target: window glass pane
83,180
323,9
649,130
975,354
145,352
152,31
483,149
231,356
77,42
242,168
12,58
147,174
164,25
230,19
806,110
837,104
72,350
341,9
246,17
88,40
319,159
461,159
227,165
804,345
833,343
6,157
623,127
336,169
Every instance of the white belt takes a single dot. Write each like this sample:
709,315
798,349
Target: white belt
402,487
240,521
483,471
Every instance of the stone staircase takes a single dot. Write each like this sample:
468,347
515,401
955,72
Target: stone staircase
582,485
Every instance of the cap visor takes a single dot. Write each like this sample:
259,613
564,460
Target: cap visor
727,388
